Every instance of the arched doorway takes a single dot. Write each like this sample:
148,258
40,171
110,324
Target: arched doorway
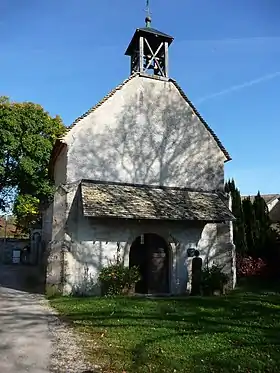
150,253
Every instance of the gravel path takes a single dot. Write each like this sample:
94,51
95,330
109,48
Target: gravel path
66,353
32,339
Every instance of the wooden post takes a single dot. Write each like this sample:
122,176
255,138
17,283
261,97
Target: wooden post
166,59
141,54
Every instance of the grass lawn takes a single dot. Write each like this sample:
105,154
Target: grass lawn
235,333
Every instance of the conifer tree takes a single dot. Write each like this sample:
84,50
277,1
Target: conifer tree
237,210
263,226
250,225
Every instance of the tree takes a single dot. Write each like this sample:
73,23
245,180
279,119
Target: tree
263,228
237,210
250,225
27,136
253,233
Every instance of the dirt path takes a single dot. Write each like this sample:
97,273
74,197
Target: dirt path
32,338
25,342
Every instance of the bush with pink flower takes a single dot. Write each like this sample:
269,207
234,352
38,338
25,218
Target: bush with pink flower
249,266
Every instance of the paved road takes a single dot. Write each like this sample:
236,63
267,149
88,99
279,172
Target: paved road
25,341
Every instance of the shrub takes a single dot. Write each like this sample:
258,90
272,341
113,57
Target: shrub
86,286
52,291
213,279
249,266
117,279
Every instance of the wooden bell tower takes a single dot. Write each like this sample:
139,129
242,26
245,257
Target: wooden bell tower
148,50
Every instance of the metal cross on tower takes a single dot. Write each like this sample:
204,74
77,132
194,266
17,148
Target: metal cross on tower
148,49
148,19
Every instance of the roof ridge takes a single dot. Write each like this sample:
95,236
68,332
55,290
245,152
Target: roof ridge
212,133
261,194
147,186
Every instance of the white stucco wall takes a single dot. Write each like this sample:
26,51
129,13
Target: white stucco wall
146,133
96,245
89,244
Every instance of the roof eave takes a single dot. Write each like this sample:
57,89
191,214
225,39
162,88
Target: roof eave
168,38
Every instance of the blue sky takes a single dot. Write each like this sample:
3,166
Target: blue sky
67,54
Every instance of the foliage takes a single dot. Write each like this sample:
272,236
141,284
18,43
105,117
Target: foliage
52,291
237,210
27,136
117,278
213,279
86,286
26,209
263,225
236,333
254,235
248,266
250,225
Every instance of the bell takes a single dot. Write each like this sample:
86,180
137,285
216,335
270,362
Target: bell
147,62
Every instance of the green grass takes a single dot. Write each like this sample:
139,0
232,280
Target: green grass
235,333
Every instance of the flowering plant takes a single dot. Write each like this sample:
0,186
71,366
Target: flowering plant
248,266
118,279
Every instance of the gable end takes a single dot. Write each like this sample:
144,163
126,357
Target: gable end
212,133
58,145
102,101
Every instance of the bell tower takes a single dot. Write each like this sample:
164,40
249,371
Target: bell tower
148,50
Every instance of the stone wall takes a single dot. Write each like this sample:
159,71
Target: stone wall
86,245
7,247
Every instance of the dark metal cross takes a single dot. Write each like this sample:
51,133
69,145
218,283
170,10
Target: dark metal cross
148,16
147,10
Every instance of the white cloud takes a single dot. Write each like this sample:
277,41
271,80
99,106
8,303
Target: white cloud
239,87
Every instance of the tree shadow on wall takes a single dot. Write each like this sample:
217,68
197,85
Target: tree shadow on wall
157,142
153,142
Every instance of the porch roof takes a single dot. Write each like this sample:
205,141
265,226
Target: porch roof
127,201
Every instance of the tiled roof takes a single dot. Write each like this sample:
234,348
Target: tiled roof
274,213
270,197
143,32
151,30
267,197
128,201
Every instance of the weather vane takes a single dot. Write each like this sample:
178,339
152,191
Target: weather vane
148,12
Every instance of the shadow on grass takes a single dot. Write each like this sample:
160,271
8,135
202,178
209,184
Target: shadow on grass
239,332
25,278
